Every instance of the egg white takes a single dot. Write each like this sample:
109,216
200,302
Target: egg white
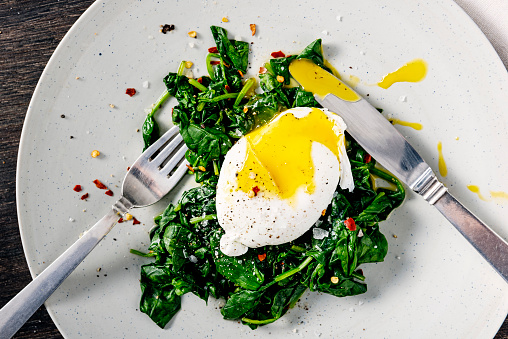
261,220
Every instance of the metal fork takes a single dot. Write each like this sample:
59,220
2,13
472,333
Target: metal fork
149,179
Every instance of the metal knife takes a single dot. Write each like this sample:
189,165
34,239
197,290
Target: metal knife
383,142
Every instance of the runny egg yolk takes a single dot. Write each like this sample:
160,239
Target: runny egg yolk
278,158
413,71
318,81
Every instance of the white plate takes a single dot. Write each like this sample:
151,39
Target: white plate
432,284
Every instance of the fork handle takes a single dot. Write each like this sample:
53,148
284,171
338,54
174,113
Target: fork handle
20,308
490,245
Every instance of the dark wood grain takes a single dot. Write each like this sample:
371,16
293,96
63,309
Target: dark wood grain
30,32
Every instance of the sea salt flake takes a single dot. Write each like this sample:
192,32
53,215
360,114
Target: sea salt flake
319,233
193,259
339,18
325,32
403,98
71,219
189,73
146,84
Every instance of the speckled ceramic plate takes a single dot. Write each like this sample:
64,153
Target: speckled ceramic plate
432,284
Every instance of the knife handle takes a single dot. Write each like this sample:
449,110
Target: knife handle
490,245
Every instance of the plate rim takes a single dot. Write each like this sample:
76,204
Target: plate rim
87,15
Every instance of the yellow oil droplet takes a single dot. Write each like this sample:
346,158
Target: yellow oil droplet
476,189
318,81
441,162
353,81
416,125
413,71
499,195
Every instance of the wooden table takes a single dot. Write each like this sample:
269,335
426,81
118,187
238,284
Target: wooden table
30,32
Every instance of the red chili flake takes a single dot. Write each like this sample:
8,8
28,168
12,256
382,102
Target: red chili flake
253,29
214,62
350,224
200,80
255,189
109,192
368,158
84,196
128,169
213,50
262,70
120,220
130,91
262,257
135,221
228,89
241,73
278,54
190,168
77,188
100,185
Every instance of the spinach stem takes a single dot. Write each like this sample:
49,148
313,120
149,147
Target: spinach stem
297,248
223,69
195,220
143,254
209,66
259,322
181,68
294,270
358,276
316,270
220,97
159,102
388,177
200,107
215,167
269,67
248,84
196,84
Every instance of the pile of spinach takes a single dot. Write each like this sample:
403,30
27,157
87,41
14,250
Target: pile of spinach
261,285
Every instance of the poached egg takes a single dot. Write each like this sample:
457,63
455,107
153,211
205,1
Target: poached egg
276,181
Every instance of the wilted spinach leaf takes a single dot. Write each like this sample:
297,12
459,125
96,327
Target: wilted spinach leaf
260,286
233,52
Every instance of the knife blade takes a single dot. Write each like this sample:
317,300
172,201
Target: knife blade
385,144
